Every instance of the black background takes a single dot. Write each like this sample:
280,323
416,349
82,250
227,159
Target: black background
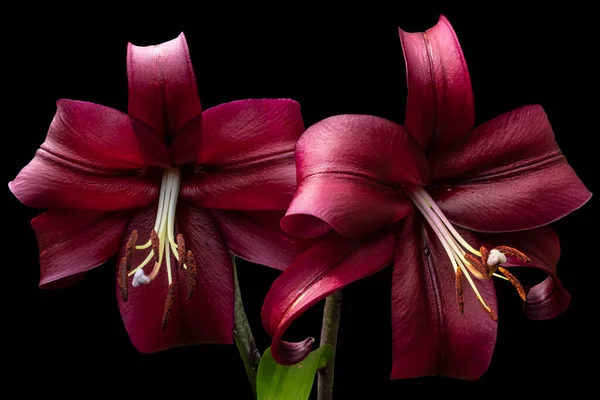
345,61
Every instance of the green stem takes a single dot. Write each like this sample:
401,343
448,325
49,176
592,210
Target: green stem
243,335
329,333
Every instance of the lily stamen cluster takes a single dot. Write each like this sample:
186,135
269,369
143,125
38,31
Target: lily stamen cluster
465,259
162,244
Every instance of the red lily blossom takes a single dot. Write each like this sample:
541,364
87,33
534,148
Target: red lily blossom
448,205
169,188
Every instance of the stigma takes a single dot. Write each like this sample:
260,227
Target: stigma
161,246
467,261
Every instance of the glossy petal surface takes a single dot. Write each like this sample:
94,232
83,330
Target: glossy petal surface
72,242
162,86
440,107
509,175
256,236
93,158
347,164
430,335
246,156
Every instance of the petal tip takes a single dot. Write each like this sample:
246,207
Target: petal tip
13,186
291,353
443,19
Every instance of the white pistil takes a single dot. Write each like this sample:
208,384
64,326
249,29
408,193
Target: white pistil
139,278
495,258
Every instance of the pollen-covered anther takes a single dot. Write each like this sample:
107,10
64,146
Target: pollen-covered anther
130,249
476,263
489,311
511,251
515,282
168,305
181,251
191,271
155,244
459,291
484,255
122,279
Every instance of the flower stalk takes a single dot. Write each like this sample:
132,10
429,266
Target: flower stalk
329,333
242,334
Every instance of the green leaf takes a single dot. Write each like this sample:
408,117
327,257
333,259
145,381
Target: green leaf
294,382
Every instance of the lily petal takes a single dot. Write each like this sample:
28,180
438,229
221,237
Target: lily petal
162,85
327,266
71,242
510,175
440,107
246,157
347,164
93,158
430,335
205,318
548,298
257,237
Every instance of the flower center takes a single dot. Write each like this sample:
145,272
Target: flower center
161,245
466,260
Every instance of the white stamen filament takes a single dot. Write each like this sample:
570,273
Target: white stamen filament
448,236
429,201
164,226
501,277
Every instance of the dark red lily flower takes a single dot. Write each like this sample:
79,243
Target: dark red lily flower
421,197
171,190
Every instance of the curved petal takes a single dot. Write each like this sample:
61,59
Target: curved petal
93,158
48,182
430,335
440,106
207,317
351,169
351,205
246,155
162,86
99,137
72,242
257,237
548,298
327,266
510,175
